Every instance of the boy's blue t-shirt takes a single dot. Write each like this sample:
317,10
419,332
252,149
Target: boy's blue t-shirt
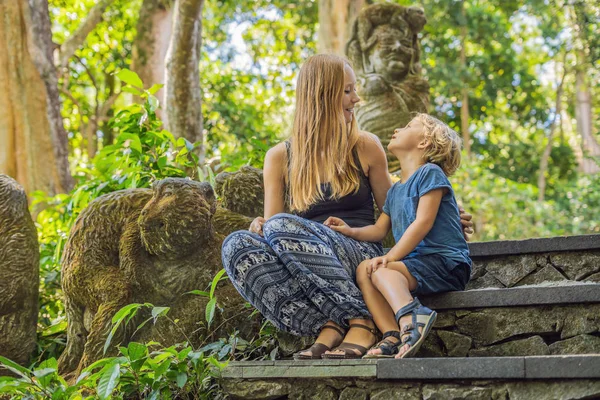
445,237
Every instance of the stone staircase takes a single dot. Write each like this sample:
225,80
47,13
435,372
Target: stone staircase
528,327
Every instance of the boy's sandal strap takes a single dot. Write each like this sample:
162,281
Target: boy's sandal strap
407,328
413,335
395,334
365,327
408,309
387,347
335,328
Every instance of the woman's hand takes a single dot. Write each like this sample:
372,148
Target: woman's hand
338,225
256,225
467,224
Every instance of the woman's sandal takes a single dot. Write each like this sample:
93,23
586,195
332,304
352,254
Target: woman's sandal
348,348
317,349
422,317
388,348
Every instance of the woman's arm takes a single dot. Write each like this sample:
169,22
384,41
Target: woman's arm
273,178
373,158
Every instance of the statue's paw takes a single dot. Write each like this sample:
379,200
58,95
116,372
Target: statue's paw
375,85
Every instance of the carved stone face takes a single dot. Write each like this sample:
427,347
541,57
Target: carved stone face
393,53
416,18
177,219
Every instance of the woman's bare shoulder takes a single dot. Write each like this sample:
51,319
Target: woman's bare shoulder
369,144
276,156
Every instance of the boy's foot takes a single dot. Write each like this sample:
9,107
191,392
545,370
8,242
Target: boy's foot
359,338
387,346
415,326
330,336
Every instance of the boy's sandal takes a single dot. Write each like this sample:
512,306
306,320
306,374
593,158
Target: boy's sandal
422,317
317,349
388,348
348,348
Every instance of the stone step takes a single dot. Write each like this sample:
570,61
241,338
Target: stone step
525,262
546,319
548,293
532,377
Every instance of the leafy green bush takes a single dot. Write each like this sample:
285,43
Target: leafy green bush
141,154
138,372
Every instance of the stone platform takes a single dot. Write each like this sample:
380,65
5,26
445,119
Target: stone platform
545,377
527,327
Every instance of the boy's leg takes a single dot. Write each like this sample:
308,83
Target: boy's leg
382,313
395,283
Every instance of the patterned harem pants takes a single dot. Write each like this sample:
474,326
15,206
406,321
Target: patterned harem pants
300,275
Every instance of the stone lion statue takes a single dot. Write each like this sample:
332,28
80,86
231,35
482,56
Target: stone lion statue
19,274
145,245
385,52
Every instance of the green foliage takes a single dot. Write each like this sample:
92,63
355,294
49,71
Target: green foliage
251,53
504,209
142,153
137,372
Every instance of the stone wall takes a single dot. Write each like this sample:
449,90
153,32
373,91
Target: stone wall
515,331
530,269
365,389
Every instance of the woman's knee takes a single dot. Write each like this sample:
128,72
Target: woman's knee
362,276
235,242
279,223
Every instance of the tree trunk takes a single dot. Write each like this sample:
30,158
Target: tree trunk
583,114
335,24
183,96
154,28
94,16
32,136
548,148
464,108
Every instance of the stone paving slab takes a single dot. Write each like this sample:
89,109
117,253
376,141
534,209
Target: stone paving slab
452,368
531,367
537,245
547,293
573,366
362,370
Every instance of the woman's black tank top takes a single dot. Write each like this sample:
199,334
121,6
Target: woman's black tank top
356,209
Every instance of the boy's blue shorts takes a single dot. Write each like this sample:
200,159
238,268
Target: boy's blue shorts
436,274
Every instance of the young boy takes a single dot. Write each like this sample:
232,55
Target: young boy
431,254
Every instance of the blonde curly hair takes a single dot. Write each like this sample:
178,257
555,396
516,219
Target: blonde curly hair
445,143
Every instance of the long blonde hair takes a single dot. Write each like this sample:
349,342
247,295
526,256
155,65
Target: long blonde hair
321,140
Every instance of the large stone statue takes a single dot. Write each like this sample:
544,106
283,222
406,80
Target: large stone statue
146,245
19,274
384,50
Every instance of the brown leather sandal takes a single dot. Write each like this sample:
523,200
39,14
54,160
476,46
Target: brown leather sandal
348,348
317,349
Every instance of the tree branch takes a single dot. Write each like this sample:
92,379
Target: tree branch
73,42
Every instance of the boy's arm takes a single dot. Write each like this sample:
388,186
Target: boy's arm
427,211
369,233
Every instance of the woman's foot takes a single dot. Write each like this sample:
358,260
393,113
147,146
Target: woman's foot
360,337
331,335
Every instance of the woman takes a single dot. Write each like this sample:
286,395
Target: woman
297,272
